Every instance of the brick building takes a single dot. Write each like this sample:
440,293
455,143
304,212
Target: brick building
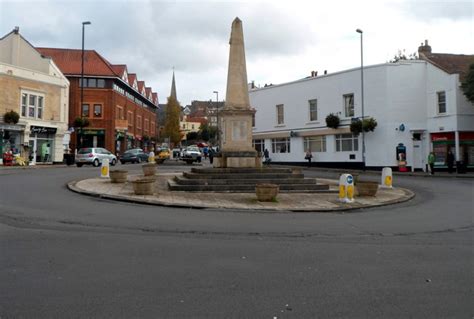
121,110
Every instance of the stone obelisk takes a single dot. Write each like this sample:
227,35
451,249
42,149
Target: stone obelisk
236,116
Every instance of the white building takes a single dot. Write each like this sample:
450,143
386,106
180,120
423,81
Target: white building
418,104
34,87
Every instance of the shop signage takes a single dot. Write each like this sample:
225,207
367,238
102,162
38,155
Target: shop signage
94,132
42,130
10,127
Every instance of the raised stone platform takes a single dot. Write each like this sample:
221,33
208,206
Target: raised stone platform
244,180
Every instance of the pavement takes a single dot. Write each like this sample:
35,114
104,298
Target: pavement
295,202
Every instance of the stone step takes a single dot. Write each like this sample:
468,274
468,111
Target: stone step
214,181
246,188
263,170
242,175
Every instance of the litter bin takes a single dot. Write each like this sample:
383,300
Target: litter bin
461,167
69,159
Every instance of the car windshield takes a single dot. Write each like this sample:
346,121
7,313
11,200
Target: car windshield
85,151
193,149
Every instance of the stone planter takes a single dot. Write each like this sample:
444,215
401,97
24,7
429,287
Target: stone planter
266,192
367,188
118,176
143,186
149,169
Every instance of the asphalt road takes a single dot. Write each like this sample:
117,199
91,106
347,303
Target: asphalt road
63,255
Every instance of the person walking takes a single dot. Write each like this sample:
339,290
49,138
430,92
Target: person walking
211,155
450,161
431,161
308,157
267,156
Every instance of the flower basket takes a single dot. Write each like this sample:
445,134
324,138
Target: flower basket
267,192
332,121
149,169
11,117
367,188
143,186
118,176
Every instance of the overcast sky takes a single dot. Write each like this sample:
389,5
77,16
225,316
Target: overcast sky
284,40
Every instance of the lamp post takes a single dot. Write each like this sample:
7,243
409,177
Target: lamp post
217,119
82,76
362,91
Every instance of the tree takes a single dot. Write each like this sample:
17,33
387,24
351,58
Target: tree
171,130
204,132
468,84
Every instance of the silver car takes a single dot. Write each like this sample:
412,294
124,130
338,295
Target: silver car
94,156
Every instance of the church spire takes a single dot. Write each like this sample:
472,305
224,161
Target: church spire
173,88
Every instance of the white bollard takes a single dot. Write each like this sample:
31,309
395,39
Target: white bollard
104,169
387,178
151,157
346,188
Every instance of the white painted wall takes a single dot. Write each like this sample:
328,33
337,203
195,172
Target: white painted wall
394,94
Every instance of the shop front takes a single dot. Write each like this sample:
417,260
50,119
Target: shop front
11,139
445,142
120,141
93,138
41,144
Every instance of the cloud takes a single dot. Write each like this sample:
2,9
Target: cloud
433,10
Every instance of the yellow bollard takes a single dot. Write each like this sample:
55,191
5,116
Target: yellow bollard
104,169
346,188
387,178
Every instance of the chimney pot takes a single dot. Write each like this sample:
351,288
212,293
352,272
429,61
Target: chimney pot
16,29
325,71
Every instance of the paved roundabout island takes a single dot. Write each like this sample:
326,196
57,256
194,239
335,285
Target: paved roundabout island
295,202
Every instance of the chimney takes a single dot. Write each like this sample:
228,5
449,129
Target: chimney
424,49
16,30
325,72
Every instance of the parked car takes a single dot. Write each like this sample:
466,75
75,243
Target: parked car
191,154
134,155
162,154
94,156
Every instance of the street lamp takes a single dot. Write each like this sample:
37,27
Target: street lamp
362,91
82,74
217,118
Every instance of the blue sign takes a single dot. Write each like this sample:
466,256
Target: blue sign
349,179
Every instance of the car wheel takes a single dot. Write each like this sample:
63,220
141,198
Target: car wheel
113,162
79,165
96,163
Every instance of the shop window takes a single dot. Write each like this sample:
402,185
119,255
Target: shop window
315,143
347,143
281,145
97,110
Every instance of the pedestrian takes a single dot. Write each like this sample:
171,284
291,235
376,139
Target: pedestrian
211,155
267,156
308,157
450,161
431,161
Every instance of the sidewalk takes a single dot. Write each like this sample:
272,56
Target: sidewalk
295,202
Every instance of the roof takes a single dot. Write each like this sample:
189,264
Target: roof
200,120
155,97
451,63
131,78
141,85
148,93
119,69
69,61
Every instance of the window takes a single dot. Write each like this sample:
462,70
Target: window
315,143
192,126
32,105
93,83
130,119
100,83
441,102
349,105
313,110
153,125
347,143
97,110
281,145
259,145
253,119
280,118
119,113
85,110
184,126
147,125
139,122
